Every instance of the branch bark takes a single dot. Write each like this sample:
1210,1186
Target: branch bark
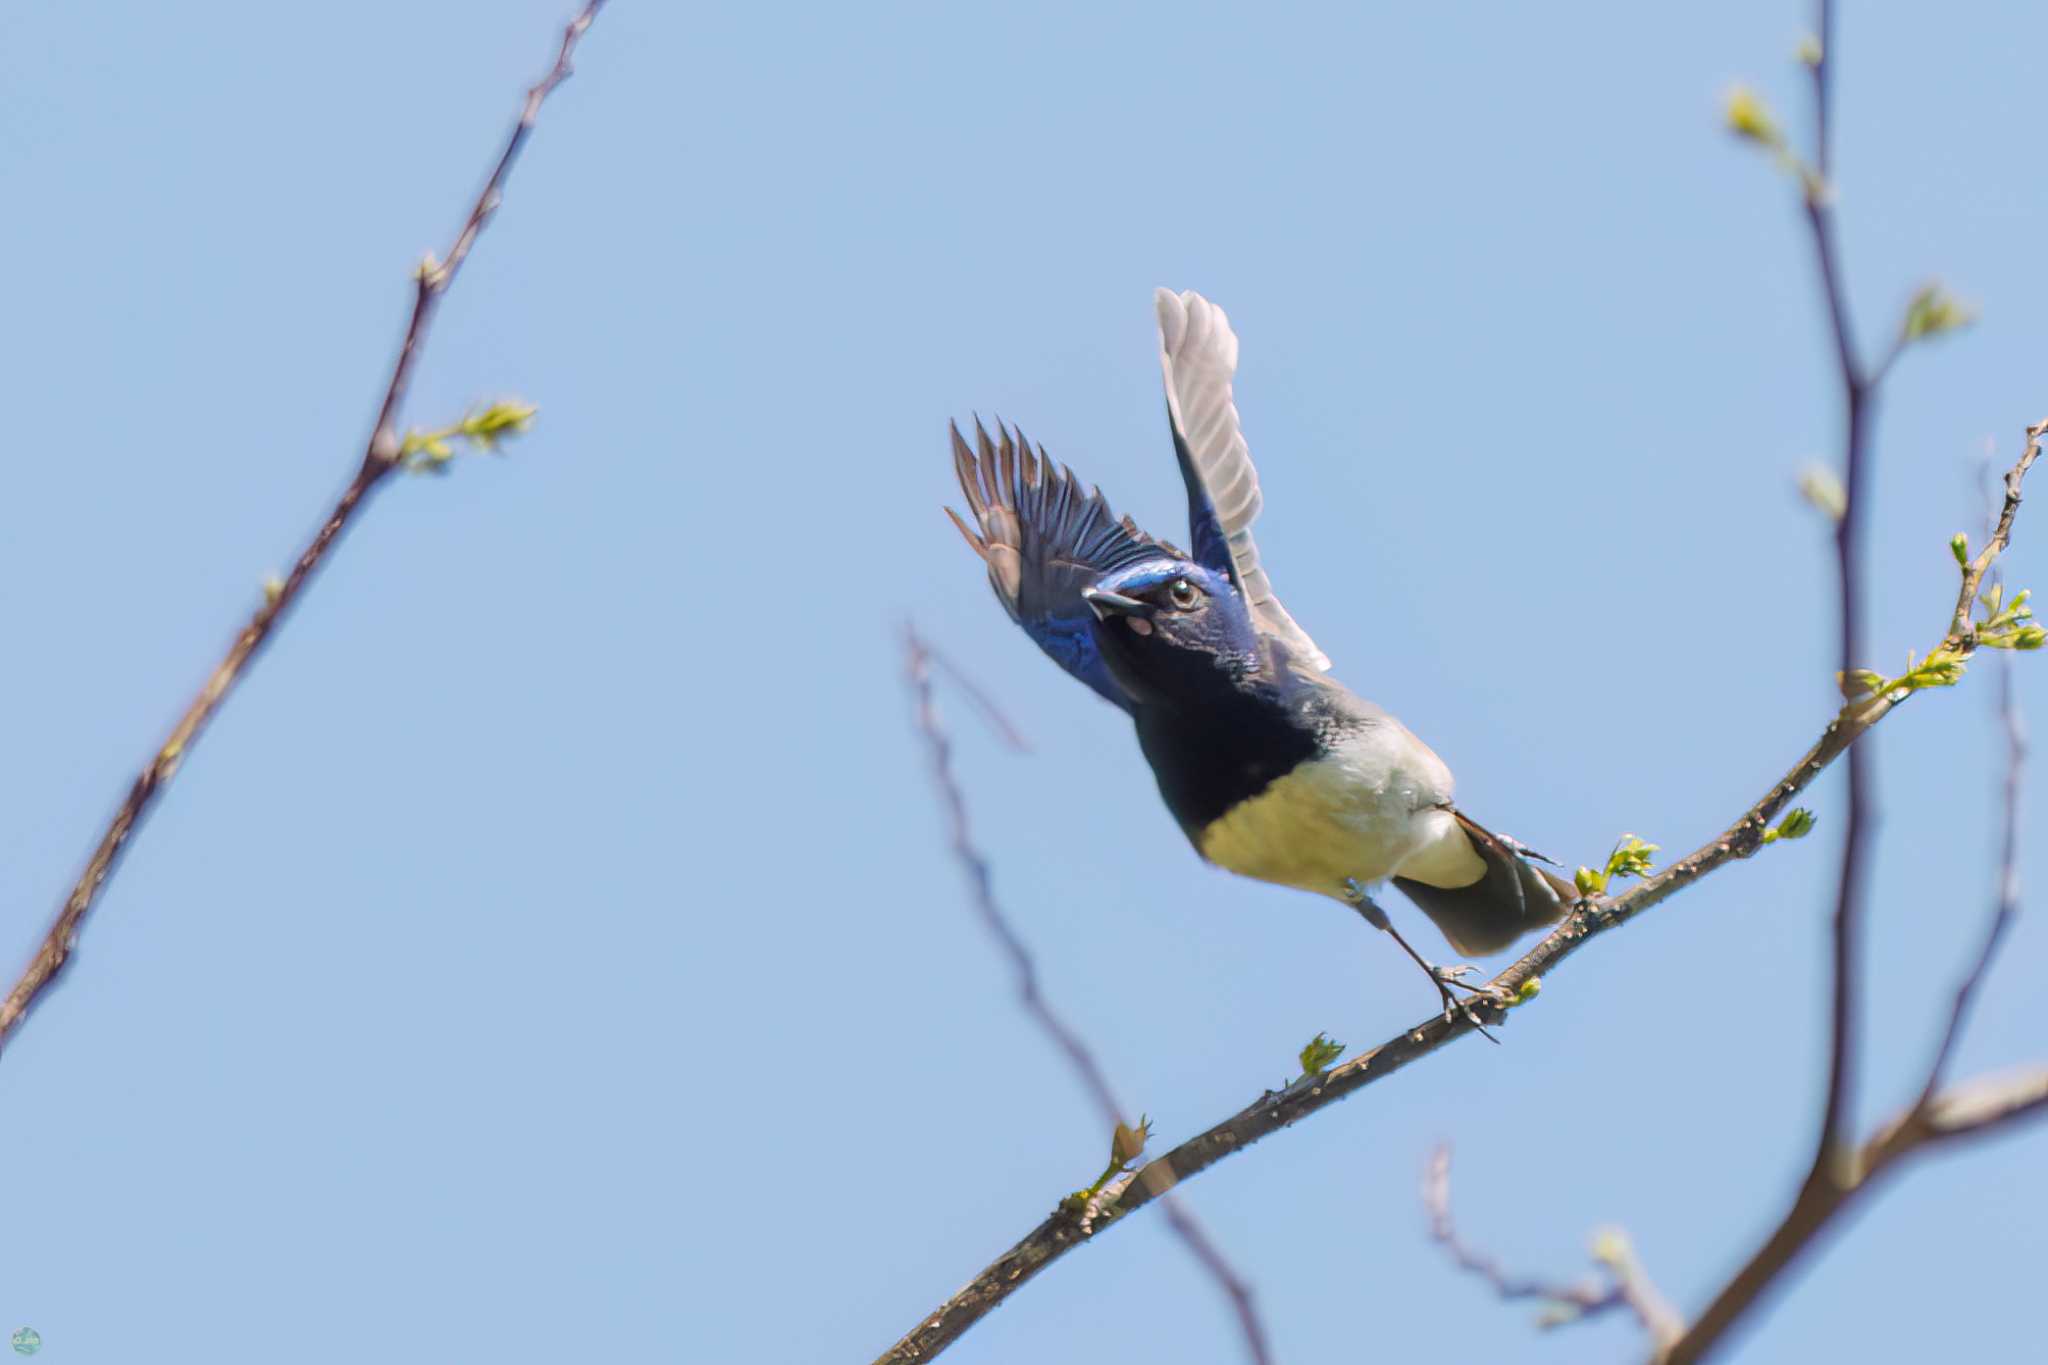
380,458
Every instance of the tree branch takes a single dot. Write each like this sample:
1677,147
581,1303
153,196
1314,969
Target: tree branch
933,1336
1937,1115
380,458
1856,395
1628,1284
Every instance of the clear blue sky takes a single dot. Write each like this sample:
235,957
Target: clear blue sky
551,954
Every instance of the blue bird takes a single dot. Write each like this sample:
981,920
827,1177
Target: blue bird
1273,769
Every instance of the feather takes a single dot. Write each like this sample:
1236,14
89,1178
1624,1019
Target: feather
1044,539
1198,356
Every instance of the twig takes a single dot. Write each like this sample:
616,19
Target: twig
2008,906
1627,1286
379,459
929,1338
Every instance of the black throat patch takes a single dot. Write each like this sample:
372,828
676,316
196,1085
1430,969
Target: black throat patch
1233,746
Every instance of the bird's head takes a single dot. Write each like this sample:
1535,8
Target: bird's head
1170,629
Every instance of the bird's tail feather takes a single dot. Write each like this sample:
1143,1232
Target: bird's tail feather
1513,897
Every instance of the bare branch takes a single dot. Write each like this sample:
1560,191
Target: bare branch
1856,394
379,459
967,1307
2007,908
1965,1110
1962,636
1627,1285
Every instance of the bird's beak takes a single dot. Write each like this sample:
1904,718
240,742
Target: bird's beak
1106,604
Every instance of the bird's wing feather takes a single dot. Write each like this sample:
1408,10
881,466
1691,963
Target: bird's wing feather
1198,355
1044,540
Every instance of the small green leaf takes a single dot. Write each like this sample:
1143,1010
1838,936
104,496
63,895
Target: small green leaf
1933,311
1321,1051
1797,824
1959,546
1631,858
1749,118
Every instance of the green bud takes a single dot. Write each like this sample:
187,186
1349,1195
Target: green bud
1822,487
1589,882
1932,311
1528,990
500,419
1959,546
1611,1247
1631,857
2029,637
1748,117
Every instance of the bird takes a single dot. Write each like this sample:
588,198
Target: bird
1273,769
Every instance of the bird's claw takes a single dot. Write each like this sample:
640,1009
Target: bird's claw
1452,975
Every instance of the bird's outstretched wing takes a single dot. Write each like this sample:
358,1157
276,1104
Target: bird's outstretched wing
1198,354
1044,540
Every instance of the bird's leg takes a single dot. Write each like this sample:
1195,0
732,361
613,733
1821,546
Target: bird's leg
1443,978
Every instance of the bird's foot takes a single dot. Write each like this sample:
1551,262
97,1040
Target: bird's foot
1447,978
1443,978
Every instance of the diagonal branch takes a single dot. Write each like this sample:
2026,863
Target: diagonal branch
931,1337
380,458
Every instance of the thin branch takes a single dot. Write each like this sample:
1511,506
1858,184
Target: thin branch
1627,1286
1856,394
2008,903
931,1337
379,459
1962,635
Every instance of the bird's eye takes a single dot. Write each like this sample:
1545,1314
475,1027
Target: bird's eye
1182,593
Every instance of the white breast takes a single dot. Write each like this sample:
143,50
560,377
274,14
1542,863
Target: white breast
1361,813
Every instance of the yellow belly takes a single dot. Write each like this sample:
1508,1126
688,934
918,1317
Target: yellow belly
1329,822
